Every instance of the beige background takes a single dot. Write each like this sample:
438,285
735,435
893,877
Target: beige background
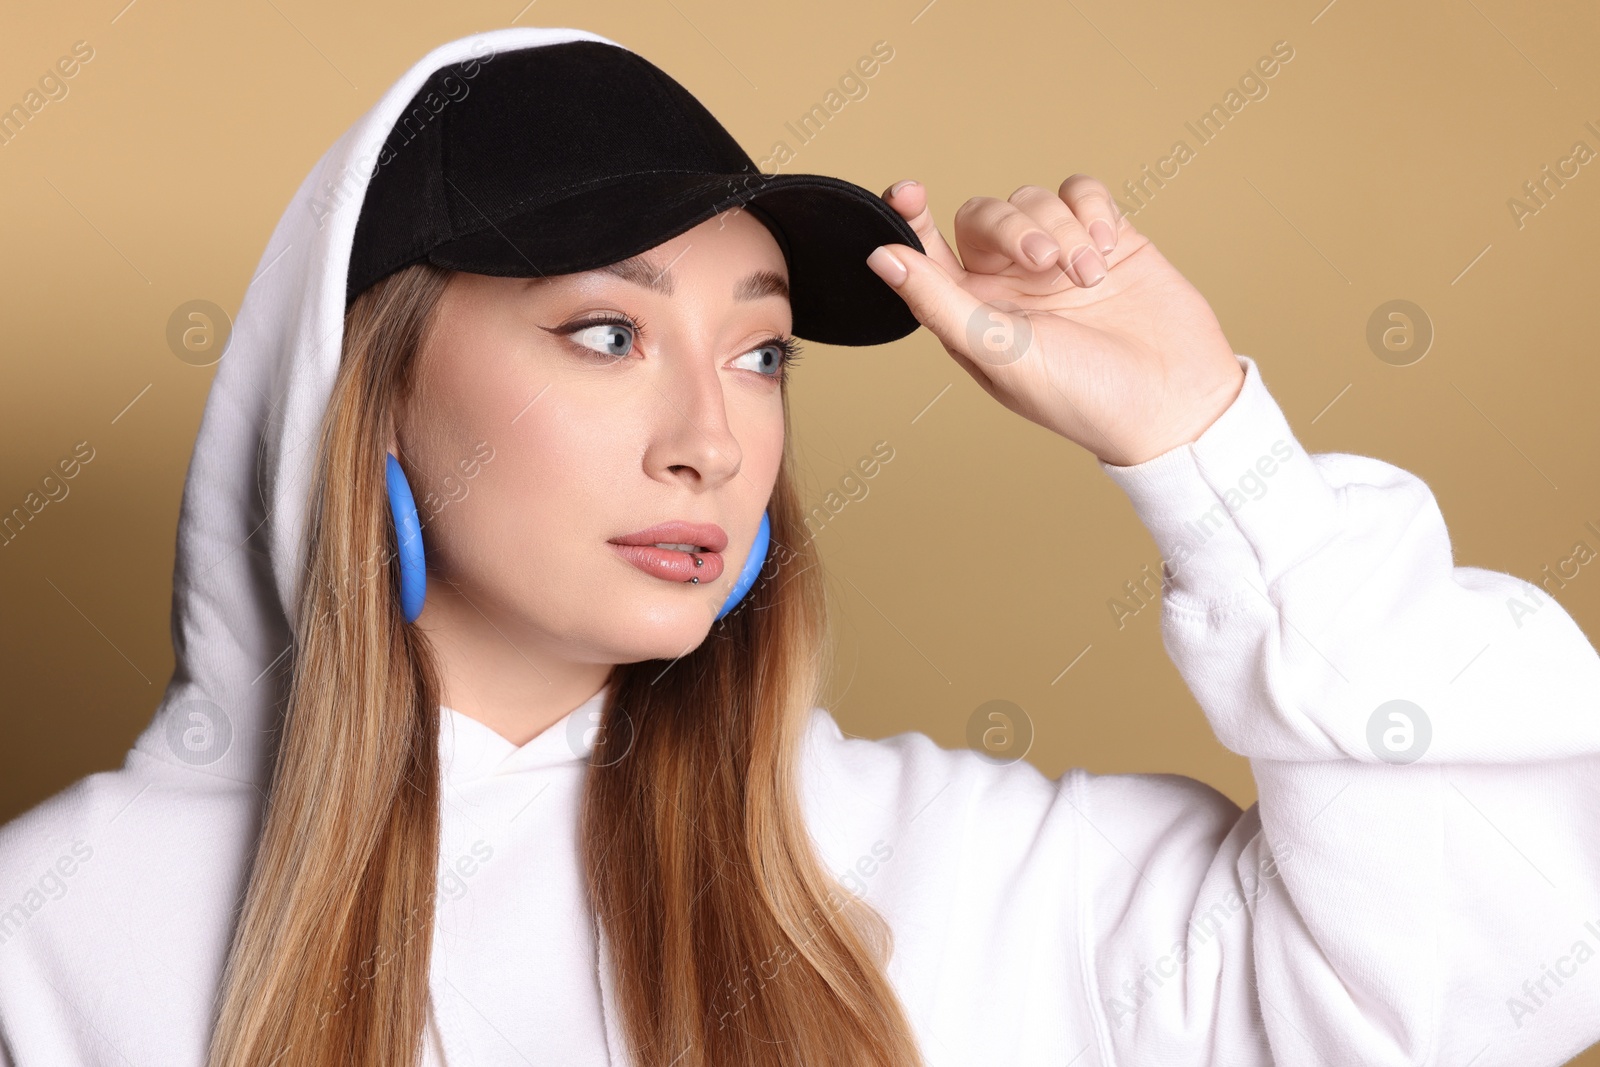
1379,166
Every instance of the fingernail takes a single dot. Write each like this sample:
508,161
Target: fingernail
894,190
1087,266
886,266
1038,247
1103,234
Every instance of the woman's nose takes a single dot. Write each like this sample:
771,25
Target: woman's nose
693,436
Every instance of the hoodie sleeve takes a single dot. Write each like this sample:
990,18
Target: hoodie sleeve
1419,882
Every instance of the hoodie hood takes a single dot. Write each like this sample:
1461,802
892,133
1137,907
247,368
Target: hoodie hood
243,519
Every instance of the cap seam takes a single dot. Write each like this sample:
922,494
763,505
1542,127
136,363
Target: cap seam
549,197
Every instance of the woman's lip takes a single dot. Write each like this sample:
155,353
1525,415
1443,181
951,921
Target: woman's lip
708,535
671,564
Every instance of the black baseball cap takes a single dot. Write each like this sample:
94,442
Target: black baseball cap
561,158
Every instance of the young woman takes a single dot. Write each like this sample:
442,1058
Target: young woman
493,735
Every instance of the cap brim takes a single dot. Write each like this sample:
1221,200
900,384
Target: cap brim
826,227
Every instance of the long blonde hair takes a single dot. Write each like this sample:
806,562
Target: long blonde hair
732,947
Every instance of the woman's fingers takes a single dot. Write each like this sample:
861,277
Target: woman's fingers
1081,259
1092,204
910,199
1071,231
993,235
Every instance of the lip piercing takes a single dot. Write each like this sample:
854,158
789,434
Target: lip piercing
698,562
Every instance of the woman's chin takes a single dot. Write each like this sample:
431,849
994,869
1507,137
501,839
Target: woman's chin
664,631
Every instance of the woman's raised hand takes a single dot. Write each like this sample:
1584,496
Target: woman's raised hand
1068,316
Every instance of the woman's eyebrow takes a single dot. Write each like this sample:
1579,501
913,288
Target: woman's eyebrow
759,284
643,271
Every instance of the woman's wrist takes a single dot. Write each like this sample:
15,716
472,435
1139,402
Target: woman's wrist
1203,413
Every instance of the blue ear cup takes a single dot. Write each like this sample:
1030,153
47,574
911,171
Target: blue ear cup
408,535
752,566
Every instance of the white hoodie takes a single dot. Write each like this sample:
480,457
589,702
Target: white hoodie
1440,912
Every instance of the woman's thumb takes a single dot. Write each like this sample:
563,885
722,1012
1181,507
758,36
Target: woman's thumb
946,309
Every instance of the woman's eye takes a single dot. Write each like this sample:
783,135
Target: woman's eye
768,360
607,338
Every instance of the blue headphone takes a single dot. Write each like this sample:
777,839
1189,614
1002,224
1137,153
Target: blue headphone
414,572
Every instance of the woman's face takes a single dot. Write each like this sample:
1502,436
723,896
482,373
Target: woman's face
553,415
